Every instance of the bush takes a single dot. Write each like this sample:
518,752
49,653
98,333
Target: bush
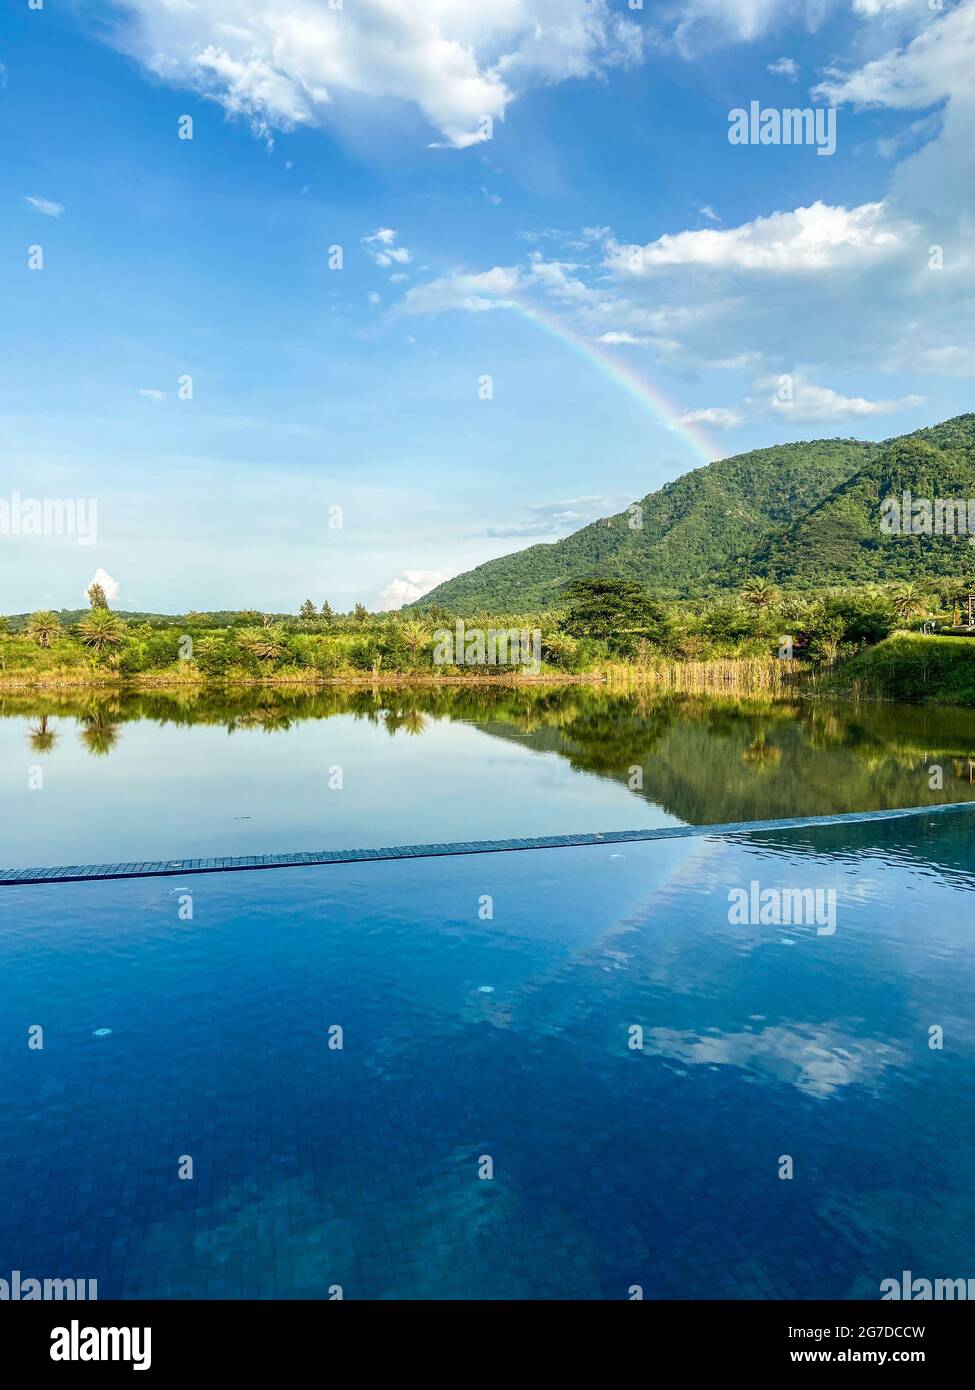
363,654
863,620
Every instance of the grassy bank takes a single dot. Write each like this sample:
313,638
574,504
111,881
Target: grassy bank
909,667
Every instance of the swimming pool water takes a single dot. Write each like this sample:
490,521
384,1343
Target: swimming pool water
486,1005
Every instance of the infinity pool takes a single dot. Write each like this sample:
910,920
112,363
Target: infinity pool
491,1126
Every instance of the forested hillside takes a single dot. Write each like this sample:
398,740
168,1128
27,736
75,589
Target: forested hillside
799,513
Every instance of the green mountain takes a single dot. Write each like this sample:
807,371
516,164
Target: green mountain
802,514
695,525
840,540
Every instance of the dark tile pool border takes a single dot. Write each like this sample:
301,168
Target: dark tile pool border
83,873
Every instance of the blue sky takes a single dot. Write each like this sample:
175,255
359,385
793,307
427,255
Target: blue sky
607,203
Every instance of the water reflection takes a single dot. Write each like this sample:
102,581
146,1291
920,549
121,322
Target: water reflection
702,759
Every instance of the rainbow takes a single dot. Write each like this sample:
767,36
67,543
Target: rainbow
651,397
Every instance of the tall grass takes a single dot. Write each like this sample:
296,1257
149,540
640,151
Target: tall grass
738,674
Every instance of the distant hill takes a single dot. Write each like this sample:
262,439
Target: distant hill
692,527
840,540
798,513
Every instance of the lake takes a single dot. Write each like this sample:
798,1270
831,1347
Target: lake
90,779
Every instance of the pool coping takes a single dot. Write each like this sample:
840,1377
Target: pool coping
86,873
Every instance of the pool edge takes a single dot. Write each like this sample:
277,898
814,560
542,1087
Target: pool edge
85,873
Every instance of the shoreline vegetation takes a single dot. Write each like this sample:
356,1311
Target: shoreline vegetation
873,642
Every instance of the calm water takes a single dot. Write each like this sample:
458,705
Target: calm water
153,777
506,1038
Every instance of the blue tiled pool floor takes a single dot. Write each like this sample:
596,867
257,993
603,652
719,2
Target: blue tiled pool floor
486,1004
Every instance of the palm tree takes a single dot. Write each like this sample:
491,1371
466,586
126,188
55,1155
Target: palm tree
43,627
559,648
267,643
907,599
760,593
101,630
43,738
415,636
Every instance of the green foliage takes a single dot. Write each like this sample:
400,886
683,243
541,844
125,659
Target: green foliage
863,618
840,541
600,607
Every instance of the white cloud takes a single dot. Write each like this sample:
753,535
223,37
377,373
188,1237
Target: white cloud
871,8
110,585
550,519
489,289
937,63
949,360
559,278
932,72
838,286
717,415
812,402
621,339
46,206
784,67
704,24
810,239
381,246
412,584
282,63
152,394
